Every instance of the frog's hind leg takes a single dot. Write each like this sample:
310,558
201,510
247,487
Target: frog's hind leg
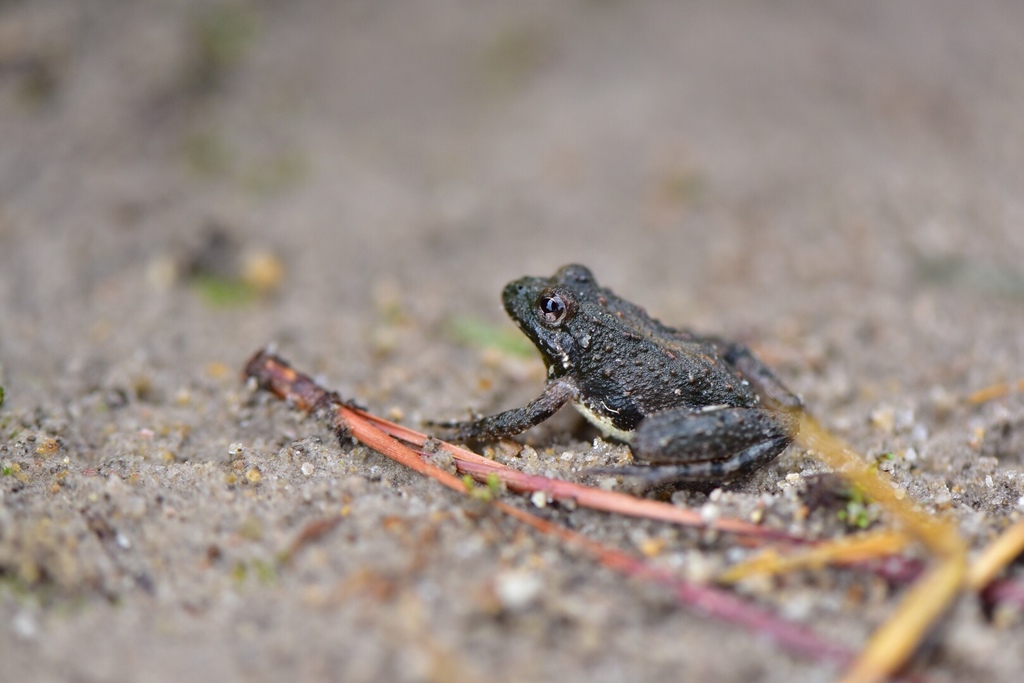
708,446
705,471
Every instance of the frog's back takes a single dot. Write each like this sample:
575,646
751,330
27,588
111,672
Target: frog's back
645,366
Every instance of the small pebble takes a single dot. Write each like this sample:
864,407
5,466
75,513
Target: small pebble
25,624
919,433
262,270
884,419
307,468
517,590
709,512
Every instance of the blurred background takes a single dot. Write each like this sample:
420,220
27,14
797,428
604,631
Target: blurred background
714,161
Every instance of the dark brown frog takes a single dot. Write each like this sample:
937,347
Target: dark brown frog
695,408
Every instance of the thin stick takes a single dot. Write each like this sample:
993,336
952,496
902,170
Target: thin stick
995,391
480,468
895,641
1001,552
850,550
1000,592
275,375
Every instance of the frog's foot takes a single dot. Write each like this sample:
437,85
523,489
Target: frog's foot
463,431
703,471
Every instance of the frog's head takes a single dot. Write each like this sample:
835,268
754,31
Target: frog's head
546,309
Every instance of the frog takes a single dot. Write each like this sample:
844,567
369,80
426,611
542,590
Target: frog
693,409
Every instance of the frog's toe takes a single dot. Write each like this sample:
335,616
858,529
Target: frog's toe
447,428
444,424
453,430
629,471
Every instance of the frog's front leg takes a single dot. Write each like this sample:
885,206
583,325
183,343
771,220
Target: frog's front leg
516,420
707,446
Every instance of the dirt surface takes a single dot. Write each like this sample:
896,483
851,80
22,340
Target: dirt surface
836,184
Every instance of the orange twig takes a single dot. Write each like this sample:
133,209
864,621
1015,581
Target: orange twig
995,391
275,375
480,468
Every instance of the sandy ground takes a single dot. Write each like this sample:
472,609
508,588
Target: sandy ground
837,184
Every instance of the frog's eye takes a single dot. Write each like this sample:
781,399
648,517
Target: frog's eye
552,308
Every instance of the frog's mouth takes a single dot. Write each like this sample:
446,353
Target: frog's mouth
521,303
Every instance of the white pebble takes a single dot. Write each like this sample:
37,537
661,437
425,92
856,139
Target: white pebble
919,433
516,590
307,468
25,624
709,512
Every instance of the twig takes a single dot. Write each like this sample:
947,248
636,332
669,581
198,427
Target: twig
844,551
275,375
309,533
1003,592
995,391
1001,552
480,468
893,643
